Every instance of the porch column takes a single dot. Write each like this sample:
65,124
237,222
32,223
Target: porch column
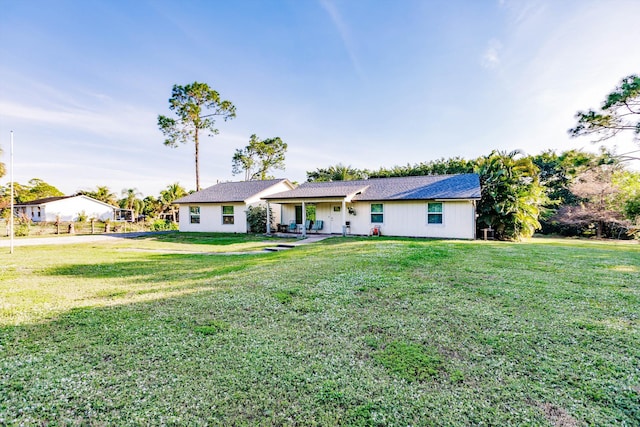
344,217
304,220
268,219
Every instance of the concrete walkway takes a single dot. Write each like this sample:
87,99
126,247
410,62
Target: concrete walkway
306,241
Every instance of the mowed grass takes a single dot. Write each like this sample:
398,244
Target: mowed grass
356,331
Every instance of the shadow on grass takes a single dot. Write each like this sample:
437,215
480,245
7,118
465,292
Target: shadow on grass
215,239
156,268
210,356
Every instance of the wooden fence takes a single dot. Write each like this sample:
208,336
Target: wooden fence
65,227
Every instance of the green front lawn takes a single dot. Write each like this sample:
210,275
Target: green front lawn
352,331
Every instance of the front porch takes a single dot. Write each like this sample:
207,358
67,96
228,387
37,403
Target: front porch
307,217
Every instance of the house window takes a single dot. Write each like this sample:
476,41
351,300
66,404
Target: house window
434,213
227,215
377,213
194,214
299,214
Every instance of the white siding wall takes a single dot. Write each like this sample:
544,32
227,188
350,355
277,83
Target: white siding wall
211,213
276,215
410,219
68,210
211,218
288,214
400,219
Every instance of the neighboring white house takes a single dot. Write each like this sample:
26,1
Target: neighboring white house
442,206
65,208
222,207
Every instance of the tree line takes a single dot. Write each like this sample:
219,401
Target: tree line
570,193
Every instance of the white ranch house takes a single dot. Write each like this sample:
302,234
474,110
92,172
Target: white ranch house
222,207
65,208
440,206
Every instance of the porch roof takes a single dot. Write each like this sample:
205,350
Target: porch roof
322,191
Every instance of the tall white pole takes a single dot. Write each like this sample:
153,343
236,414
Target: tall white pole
11,204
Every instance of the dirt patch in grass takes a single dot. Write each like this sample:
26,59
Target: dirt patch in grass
557,416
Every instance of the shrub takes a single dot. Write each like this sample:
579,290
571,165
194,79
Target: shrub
21,229
257,219
163,225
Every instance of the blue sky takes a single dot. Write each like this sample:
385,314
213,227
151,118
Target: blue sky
365,83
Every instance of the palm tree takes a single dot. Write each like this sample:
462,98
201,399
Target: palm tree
104,194
511,194
173,192
131,200
337,172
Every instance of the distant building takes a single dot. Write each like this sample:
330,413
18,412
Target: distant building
65,208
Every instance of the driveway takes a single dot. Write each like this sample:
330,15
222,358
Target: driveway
87,238
66,240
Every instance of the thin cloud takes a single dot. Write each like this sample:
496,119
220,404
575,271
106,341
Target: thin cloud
491,56
344,33
124,121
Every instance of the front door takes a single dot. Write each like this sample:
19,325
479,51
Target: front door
335,219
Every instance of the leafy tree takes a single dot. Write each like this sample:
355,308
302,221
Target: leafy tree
2,168
628,195
632,209
619,112
442,166
598,207
152,206
34,190
557,172
337,172
190,103
259,157
38,189
511,195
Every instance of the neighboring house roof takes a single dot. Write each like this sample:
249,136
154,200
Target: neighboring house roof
229,192
429,187
42,201
48,200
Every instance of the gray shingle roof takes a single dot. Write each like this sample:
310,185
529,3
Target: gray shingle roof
229,192
429,187
322,190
